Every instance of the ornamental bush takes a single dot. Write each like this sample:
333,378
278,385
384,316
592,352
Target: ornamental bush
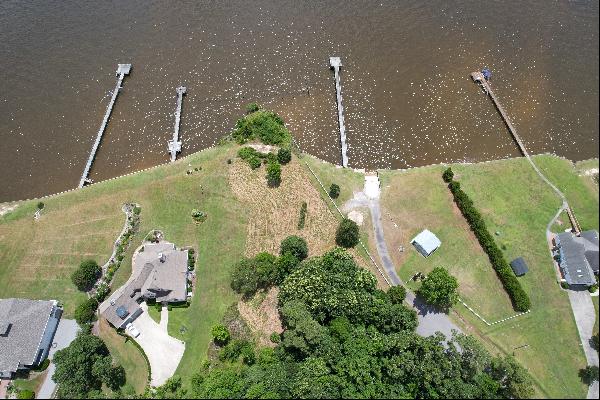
296,246
334,191
273,174
220,334
302,219
284,155
448,175
86,275
347,234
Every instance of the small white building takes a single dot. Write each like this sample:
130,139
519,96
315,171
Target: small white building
426,243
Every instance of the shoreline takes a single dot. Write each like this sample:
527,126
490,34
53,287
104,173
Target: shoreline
14,203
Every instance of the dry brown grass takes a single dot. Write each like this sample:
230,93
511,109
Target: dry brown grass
273,213
261,316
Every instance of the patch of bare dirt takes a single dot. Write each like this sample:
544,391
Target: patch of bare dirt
262,317
273,213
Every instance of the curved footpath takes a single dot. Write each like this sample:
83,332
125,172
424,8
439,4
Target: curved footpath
431,319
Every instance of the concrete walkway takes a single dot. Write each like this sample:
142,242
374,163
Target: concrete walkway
65,334
164,319
431,320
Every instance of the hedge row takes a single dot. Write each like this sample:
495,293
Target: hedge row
519,298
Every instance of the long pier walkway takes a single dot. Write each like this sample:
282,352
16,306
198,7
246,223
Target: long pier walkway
175,144
479,78
336,63
122,70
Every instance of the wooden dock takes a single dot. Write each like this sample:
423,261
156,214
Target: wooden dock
122,70
335,63
480,79
175,144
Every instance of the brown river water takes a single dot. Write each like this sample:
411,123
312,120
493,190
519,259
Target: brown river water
408,97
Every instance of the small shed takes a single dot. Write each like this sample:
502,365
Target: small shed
519,266
426,243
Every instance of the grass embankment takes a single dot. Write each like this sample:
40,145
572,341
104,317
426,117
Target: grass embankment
36,258
518,205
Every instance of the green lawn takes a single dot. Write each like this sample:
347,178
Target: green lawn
154,313
36,258
179,320
518,205
515,202
128,355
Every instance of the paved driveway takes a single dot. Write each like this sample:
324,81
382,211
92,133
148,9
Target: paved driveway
65,334
163,351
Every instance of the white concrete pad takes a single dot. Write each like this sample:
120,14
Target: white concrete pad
163,351
372,189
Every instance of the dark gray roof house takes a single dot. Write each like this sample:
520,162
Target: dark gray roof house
519,266
159,273
578,256
27,328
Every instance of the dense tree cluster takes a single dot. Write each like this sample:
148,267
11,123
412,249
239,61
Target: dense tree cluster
343,337
265,126
515,291
84,366
86,275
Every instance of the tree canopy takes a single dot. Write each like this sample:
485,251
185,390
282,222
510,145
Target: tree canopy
296,246
344,338
86,275
347,234
439,288
265,126
84,366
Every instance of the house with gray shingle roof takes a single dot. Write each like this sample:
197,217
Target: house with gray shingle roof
27,328
159,274
578,257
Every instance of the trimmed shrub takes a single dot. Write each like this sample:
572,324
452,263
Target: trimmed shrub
519,298
347,234
397,294
593,288
220,334
86,275
273,174
448,175
334,191
296,246
284,155
302,219
40,205
198,216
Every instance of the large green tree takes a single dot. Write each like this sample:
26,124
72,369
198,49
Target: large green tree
295,245
86,275
439,288
84,366
347,234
